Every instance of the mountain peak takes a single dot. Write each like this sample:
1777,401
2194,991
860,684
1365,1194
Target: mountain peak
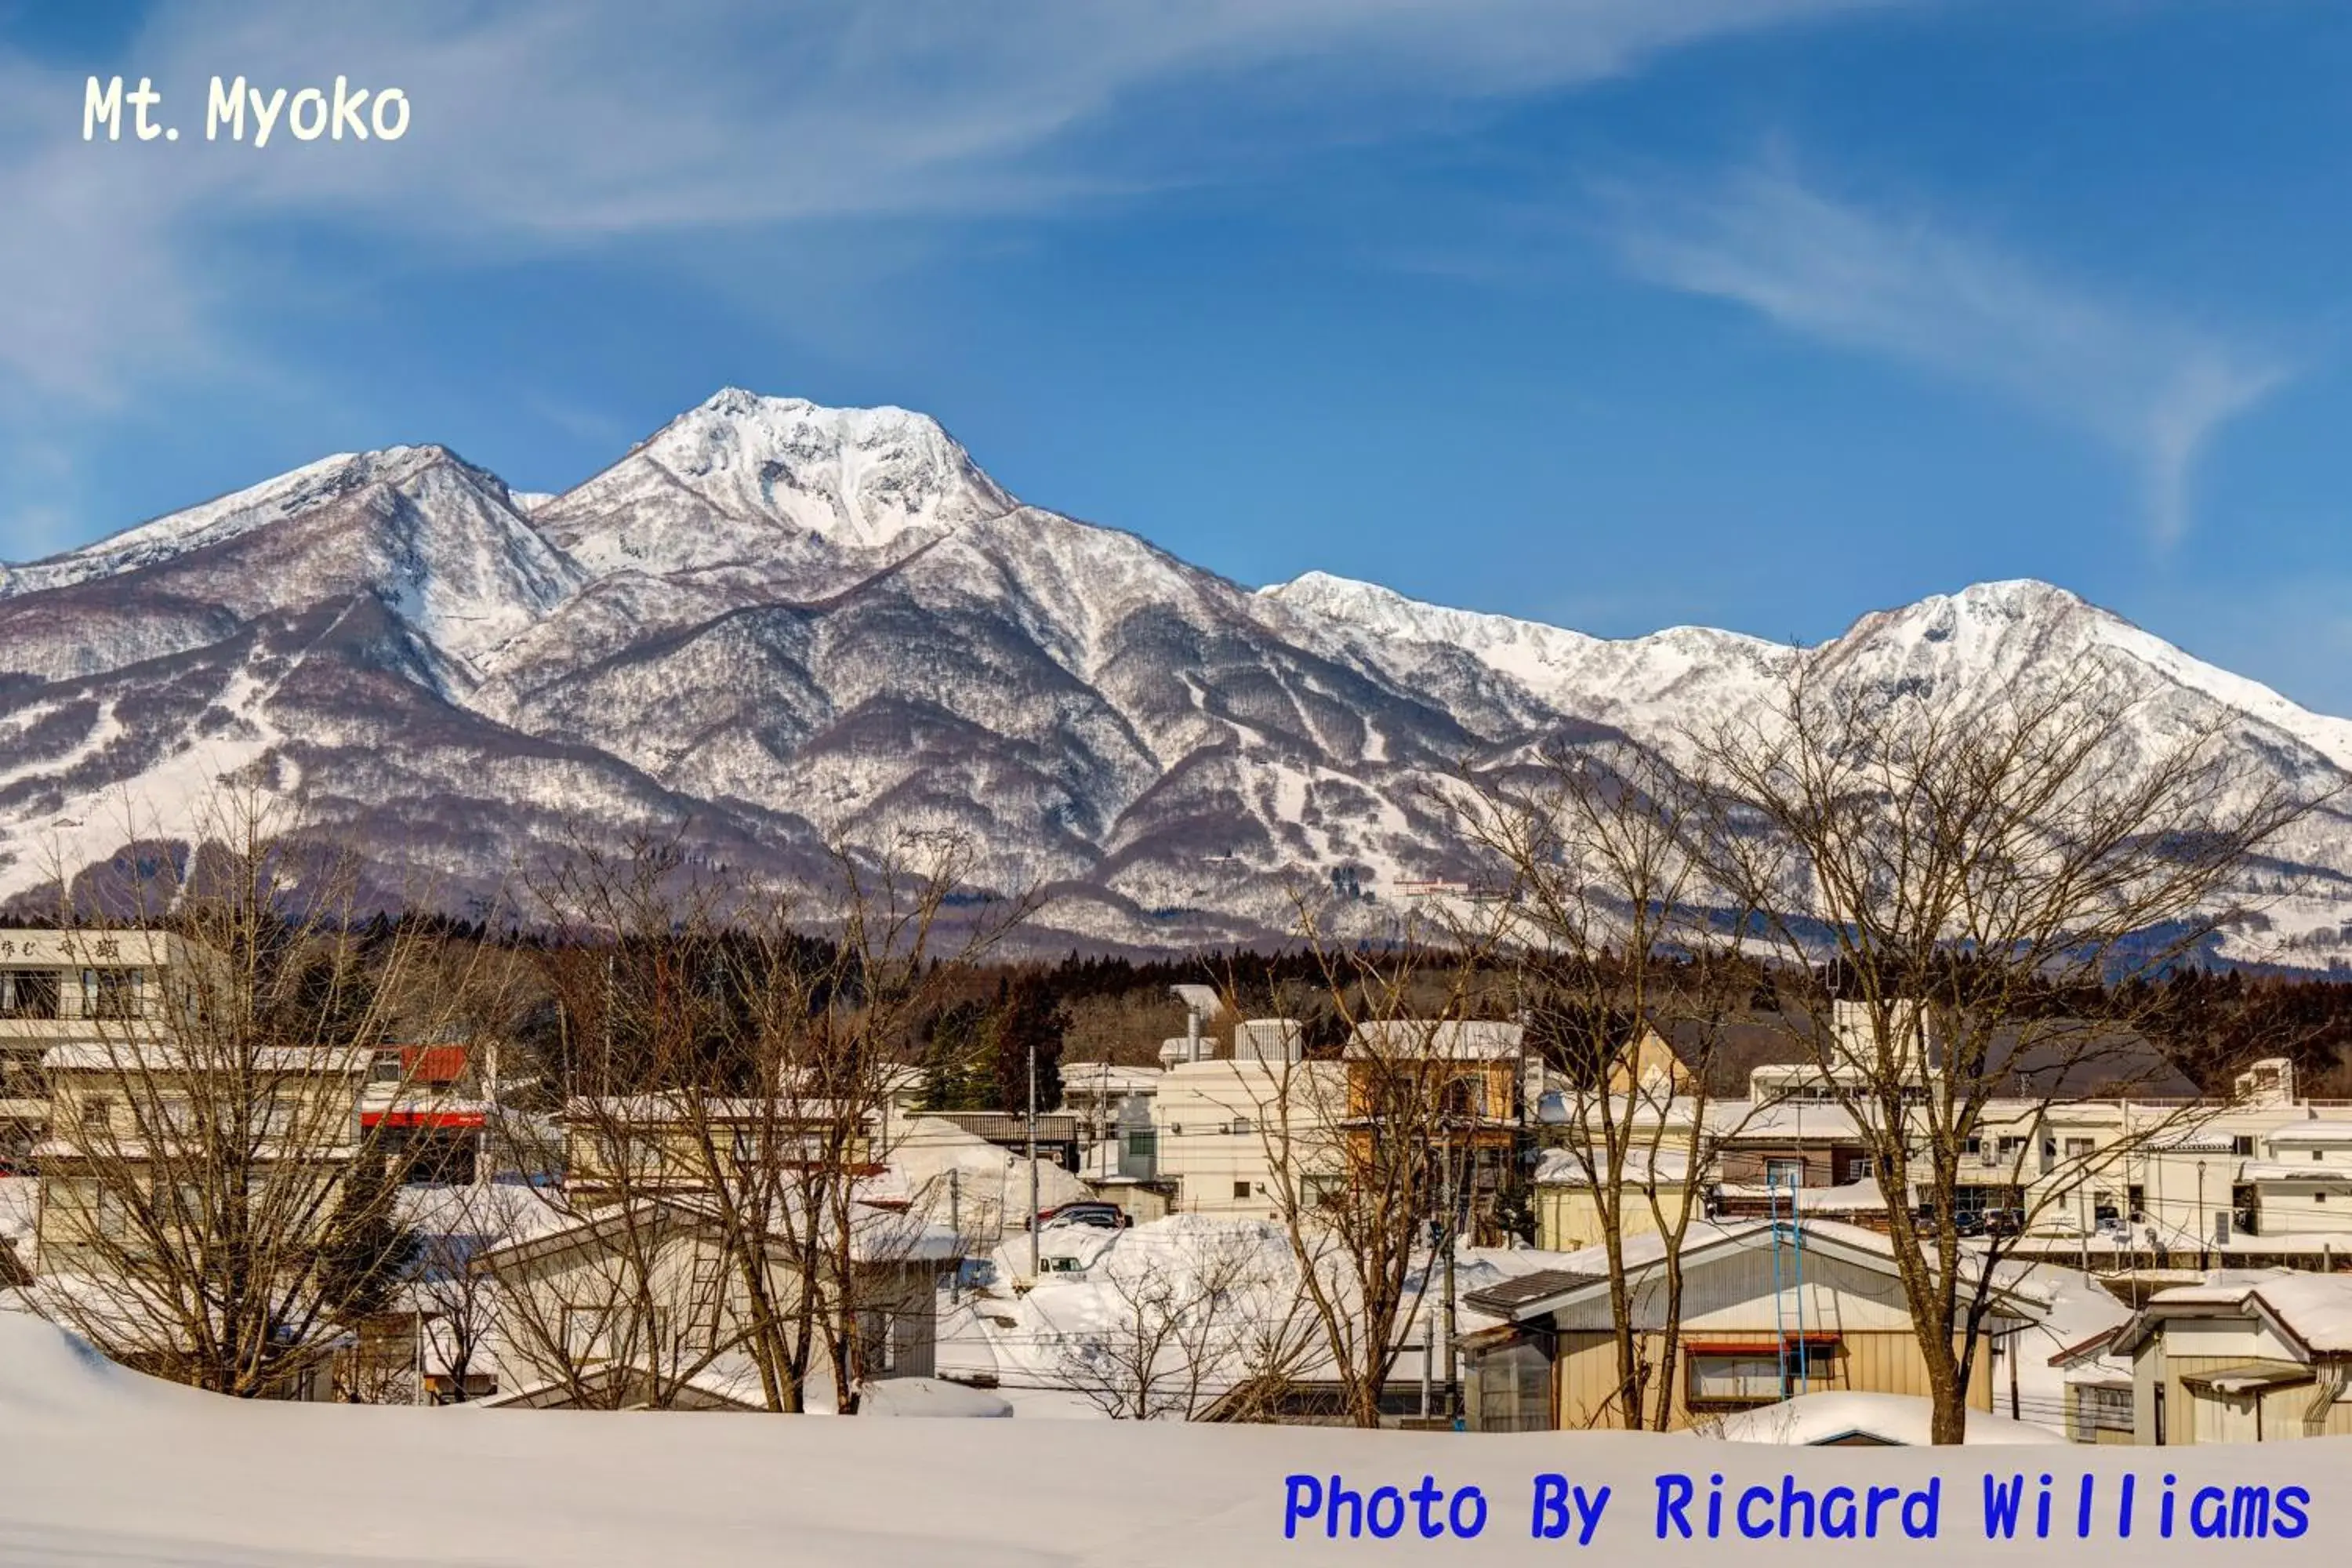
239,512
743,476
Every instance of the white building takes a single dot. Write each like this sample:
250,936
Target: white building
65,988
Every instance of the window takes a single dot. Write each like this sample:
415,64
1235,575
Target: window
97,1112
2241,1145
1241,1190
2317,1154
109,993
582,1328
113,1215
1735,1379
2136,1201
877,1342
1511,1390
1784,1173
29,994
2097,1410
2080,1148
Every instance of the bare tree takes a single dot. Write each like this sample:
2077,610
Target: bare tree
1626,973
1376,1145
213,1209
736,1053
1183,1323
458,1304
1975,876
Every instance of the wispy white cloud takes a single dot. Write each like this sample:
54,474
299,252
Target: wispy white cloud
546,124
1908,287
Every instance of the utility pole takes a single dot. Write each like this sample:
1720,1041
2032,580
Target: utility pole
955,1223
1453,1369
1032,1156
1428,1360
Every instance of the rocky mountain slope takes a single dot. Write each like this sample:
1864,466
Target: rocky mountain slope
782,624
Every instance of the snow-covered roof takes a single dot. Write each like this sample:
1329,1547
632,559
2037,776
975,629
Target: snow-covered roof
1846,1197
1462,1039
2311,1134
1566,1168
1587,1270
1109,1078
1791,1121
988,1181
2202,1141
1840,1416
2314,1311
2289,1170
2316,1307
928,1396
876,1235
666,1109
151,1056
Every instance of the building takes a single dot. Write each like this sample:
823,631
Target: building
1104,1097
69,987
1458,1082
639,1145
1225,1128
428,1108
141,1131
1657,1186
646,1303
2261,1357
1769,1311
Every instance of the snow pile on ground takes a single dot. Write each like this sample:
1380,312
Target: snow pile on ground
1111,1310
205,1482
198,1482
46,1370
928,1396
1901,1419
1074,1343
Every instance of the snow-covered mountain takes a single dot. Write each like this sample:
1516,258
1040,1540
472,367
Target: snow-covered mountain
785,624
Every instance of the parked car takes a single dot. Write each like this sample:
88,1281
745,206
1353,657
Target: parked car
1101,1216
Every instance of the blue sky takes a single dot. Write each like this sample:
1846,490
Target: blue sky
1616,313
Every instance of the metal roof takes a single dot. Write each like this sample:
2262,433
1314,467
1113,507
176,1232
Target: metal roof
1501,1300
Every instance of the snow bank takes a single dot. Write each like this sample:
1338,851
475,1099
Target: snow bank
928,1396
216,1482
46,1370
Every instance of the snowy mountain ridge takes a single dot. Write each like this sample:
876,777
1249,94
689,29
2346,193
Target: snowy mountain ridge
782,624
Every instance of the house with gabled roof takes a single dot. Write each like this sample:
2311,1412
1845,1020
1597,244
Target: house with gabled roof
649,1302
2242,1357
1769,1311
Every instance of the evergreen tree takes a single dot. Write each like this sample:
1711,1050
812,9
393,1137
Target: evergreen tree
366,1250
1029,1014
955,1041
